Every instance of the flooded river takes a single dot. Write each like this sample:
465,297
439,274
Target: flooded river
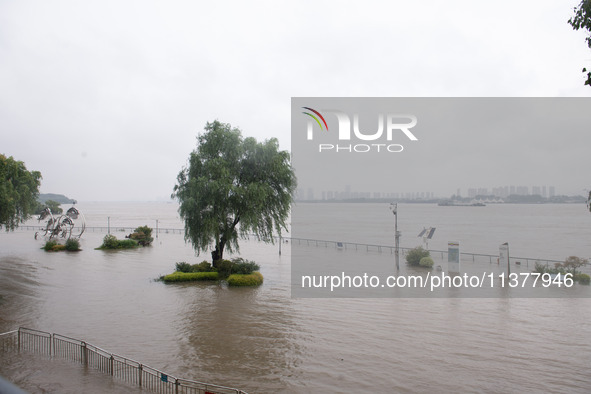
264,341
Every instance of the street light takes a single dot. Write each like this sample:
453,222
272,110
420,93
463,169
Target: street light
394,209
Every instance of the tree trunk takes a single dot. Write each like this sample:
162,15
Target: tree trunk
218,253
216,256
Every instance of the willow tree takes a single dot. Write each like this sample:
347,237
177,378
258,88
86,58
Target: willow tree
19,190
233,187
582,20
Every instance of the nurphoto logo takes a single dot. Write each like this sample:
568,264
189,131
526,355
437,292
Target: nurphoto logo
389,126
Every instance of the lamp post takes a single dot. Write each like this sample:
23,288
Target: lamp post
394,209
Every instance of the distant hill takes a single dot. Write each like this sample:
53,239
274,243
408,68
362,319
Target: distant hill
55,197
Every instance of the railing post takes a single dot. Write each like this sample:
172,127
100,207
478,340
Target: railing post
19,339
111,363
139,371
84,354
176,386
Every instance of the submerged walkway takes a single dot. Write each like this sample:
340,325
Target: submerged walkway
473,257
132,373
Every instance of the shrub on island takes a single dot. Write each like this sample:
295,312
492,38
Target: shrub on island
569,266
111,242
204,266
583,279
239,272
190,276
237,265
142,235
49,245
71,245
426,262
253,279
414,256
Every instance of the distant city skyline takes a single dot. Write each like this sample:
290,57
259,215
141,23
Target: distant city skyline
545,191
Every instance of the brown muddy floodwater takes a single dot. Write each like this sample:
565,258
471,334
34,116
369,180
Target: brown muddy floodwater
263,341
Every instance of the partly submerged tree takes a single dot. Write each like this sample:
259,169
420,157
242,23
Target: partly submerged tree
582,20
19,190
233,187
573,262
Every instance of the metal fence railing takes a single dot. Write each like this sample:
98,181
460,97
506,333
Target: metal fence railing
464,256
527,262
112,229
124,369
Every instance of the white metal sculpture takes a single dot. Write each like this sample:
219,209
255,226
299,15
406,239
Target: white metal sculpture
69,225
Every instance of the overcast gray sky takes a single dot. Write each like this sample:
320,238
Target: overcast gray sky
105,98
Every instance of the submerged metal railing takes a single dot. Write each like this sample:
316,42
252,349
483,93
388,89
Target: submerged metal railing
465,256
124,369
528,262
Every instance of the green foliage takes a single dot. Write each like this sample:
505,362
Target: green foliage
19,189
543,269
190,276
415,255
204,266
426,262
540,268
224,267
231,180
54,206
244,267
142,235
235,266
127,244
72,245
254,279
569,266
183,267
583,279
49,245
111,242
53,246
582,20
573,262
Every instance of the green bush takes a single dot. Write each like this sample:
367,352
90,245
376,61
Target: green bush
254,279
49,245
203,266
415,255
224,267
183,267
73,245
190,276
111,242
127,244
539,268
244,267
543,269
583,279
58,247
142,235
426,262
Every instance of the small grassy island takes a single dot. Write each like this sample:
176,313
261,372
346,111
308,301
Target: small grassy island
71,245
141,236
237,272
